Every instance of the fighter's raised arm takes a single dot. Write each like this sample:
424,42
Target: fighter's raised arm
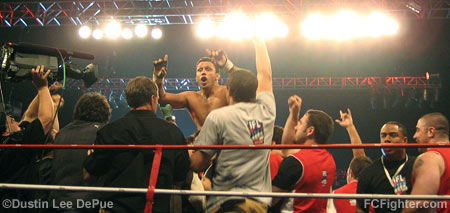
263,67
159,72
219,57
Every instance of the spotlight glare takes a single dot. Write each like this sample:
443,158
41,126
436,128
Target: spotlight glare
221,31
127,33
377,24
84,32
346,25
391,27
205,29
283,30
372,24
269,26
97,34
112,30
314,26
236,27
141,30
156,33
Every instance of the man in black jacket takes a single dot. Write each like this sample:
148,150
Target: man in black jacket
131,167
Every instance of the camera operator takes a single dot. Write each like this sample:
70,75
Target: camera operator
19,165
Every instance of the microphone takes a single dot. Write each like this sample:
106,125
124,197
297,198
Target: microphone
39,49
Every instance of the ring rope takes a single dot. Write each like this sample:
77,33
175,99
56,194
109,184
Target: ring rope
284,146
222,193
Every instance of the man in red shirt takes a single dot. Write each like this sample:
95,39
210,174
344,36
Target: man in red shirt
431,173
307,170
357,165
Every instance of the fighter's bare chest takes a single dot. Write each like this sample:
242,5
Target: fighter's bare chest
209,103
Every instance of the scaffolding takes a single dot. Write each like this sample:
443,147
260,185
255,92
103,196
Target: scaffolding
168,12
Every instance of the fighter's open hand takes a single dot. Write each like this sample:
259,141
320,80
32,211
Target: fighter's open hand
160,67
218,57
295,103
346,118
39,77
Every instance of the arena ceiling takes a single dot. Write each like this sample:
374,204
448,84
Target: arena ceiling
168,12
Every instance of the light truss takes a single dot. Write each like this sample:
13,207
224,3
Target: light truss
166,12
111,85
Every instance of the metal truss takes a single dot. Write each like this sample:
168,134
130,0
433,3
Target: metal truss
166,12
116,86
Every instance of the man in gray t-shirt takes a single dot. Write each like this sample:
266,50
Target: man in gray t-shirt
248,120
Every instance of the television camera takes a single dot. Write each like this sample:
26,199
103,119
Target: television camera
17,60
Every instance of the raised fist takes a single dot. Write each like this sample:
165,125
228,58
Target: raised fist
218,57
295,104
160,67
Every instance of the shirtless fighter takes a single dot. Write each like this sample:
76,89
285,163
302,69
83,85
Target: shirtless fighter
211,95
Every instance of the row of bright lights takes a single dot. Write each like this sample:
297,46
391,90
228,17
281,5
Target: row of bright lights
113,30
236,26
347,25
341,26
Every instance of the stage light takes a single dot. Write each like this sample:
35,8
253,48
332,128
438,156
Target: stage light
373,26
391,26
127,33
113,30
156,33
414,6
84,32
377,24
205,29
269,26
97,34
141,30
348,25
345,25
236,26
315,26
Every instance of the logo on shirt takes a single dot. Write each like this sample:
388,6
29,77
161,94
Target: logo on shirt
400,186
324,178
256,131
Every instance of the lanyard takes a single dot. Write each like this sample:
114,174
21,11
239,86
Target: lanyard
396,173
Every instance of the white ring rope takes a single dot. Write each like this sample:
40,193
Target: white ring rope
223,193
